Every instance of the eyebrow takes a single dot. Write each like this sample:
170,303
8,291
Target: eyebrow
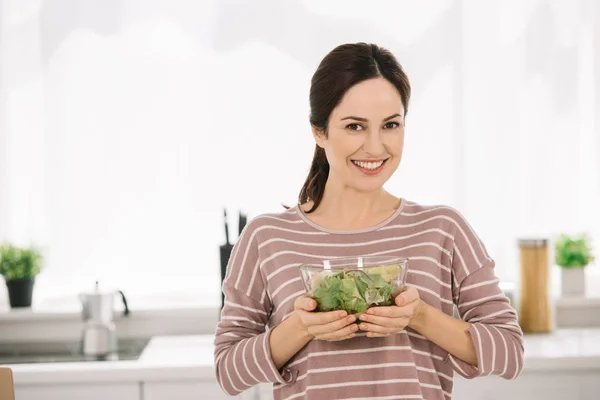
366,120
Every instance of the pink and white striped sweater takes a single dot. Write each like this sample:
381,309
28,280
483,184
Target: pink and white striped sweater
449,266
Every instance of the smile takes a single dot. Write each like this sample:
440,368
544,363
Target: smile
369,167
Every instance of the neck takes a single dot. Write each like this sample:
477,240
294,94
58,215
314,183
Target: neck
348,204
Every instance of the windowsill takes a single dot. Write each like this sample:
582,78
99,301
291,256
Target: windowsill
32,325
61,320
69,307
578,302
32,315
171,314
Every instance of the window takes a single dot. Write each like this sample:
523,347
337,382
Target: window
125,130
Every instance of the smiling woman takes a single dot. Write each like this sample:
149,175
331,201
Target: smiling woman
365,130
370,142
269,329
372,166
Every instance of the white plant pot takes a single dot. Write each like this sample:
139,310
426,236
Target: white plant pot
573,281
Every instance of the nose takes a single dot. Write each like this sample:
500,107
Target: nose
373,144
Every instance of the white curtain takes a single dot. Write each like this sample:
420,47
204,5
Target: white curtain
127,126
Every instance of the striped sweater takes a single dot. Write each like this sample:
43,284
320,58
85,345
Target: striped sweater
449,266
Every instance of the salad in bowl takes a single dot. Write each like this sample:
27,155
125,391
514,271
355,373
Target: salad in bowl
355,284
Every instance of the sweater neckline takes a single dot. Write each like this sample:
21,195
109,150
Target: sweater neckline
380,225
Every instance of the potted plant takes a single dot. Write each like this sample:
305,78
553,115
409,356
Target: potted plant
573,254
19,267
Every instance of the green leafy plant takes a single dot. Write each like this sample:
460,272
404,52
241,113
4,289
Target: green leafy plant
573,252
354,290
19,263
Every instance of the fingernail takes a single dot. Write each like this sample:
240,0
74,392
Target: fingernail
364,316
370,312
342,314
351,318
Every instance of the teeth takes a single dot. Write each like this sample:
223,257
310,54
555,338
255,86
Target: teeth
368,165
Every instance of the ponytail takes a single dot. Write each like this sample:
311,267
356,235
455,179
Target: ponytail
314,186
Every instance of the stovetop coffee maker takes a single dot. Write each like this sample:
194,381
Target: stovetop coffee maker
99,338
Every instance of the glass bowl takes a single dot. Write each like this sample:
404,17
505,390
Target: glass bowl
355,284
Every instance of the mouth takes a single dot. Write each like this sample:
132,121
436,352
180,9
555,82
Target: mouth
371,167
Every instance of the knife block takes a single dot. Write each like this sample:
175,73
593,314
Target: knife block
225,254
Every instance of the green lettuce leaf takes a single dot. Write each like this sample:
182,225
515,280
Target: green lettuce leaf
353,291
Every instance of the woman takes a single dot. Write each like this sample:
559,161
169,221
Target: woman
269,332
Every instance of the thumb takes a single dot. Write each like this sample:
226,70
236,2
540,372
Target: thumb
406,297
308,304
399,300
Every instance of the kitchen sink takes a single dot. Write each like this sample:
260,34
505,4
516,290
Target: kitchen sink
56,352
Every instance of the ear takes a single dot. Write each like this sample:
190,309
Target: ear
319,136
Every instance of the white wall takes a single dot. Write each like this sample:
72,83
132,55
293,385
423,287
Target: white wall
126,126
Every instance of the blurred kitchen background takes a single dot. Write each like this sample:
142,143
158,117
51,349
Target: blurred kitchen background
127,127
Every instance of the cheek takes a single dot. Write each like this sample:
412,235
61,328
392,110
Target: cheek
340,150
395,144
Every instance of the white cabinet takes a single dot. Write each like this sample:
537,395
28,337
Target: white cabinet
529,386
266,391
191,390
578,385
83,391
590,386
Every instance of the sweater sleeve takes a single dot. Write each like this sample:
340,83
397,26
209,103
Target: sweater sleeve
242,351
496,334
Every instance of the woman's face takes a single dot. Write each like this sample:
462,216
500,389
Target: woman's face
365,138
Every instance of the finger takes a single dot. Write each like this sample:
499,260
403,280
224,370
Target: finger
320,328
381,321
374,335
340,334
338,339
345,337
305,303
310,318
388,312
374,328
381,329
324,318
406,297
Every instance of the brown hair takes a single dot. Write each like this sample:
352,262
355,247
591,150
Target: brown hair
344,67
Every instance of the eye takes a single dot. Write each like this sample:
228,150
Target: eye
391,125
354,127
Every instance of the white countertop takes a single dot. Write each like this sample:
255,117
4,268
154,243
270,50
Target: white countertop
165,358
176,358
564,349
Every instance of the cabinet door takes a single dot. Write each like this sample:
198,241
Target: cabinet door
95,391
547,386
590,386
266,391
191,390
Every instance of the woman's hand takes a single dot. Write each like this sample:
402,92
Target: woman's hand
383,321
330,326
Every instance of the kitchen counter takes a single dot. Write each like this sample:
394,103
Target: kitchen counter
176,358
164,359
563,350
